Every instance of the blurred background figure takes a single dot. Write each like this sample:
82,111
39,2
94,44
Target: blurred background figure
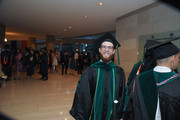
44,64
2,76
30,63
76,55
50,60
18,64
55,61
65,62
71,65
6,61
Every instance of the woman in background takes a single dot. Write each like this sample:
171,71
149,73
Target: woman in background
18,65
55,61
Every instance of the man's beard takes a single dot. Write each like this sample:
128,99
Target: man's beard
106,59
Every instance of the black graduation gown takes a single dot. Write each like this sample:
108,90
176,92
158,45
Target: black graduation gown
6,62
84,96
30,64
169,99
44,65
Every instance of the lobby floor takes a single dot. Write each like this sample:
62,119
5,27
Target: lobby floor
36,99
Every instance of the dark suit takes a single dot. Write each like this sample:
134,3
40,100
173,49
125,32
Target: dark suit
6,60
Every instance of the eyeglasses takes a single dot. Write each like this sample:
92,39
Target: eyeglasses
105,47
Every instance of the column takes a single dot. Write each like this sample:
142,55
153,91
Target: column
50,41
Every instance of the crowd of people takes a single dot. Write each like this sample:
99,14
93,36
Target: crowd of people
47,62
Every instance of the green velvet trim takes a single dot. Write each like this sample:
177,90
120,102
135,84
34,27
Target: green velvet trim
98,99
99,93
149,92
134,70
103,65
112,93
118,55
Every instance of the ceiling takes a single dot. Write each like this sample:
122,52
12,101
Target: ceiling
63,18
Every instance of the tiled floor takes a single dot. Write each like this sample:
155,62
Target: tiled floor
38,100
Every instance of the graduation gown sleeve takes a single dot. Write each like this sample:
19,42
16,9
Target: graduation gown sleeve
120,91
83,96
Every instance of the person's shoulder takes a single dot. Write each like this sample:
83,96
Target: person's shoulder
146,76
90,69
119,68
146,73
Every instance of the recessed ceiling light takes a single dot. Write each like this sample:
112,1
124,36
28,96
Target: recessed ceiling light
86,16
101,3
5,39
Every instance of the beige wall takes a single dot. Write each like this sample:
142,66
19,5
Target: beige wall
154,18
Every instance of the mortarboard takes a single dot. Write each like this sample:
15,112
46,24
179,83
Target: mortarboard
107,37
162,43
150,43
165,49
147,51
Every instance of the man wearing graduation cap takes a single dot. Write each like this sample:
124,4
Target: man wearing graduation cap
101,89
141,66
157,92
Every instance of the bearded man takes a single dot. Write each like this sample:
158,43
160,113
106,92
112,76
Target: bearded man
100,91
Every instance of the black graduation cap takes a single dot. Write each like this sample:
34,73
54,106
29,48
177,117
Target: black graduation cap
164,49
148,52
157,44
106,37
150,43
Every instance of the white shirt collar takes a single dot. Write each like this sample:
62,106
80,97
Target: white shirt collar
162,69
102,61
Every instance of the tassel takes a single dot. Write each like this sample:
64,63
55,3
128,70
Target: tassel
118,55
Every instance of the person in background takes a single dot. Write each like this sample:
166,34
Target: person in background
18,64
157,93
55,61
30,63
2,76
44,63
40,63
100,91
71,65
6,61
65,62
50,60
76,55
80,63
146,64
